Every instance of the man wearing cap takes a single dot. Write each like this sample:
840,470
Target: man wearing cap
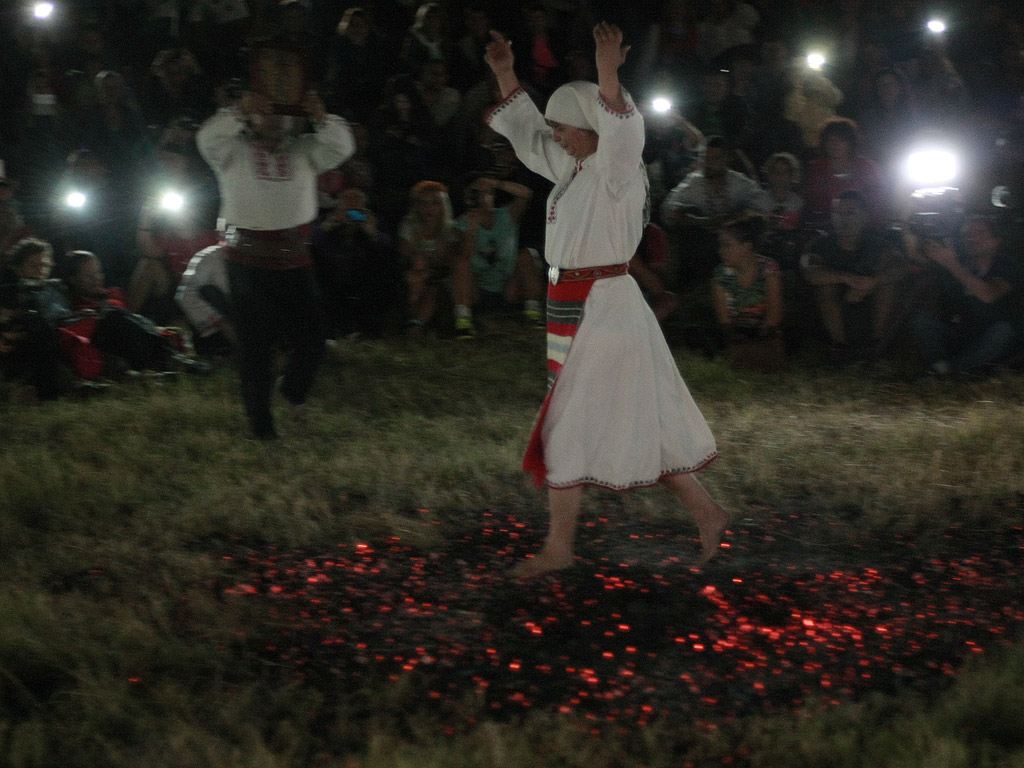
617,414
267,181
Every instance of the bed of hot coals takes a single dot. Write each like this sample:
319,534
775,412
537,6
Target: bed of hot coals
798,606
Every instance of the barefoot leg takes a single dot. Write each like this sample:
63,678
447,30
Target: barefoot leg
711,518
564,504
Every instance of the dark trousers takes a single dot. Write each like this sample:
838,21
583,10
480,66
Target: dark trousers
271,305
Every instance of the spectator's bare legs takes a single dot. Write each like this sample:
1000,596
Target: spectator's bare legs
526,283
885,304
663,302
711,518
564,506
464,291
831,311
422,296
150,278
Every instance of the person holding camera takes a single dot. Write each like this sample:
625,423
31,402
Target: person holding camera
617,414
357,267
974,320
490,269
268,185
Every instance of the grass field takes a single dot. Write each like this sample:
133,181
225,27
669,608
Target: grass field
123,643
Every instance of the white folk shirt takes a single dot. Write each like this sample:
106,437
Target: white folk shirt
598,208
619,414
270,190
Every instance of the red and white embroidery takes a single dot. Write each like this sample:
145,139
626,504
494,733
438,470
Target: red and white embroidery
561,191
272,166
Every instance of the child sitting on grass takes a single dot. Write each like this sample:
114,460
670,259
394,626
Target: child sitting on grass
748,297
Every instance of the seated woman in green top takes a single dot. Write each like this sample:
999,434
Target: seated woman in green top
748,297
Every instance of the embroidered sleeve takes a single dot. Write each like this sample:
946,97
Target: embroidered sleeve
623,114
517,118
503,104
621,146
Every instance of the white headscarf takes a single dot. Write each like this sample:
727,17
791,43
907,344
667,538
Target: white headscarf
574,104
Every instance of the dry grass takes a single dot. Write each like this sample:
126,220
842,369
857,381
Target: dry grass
115,652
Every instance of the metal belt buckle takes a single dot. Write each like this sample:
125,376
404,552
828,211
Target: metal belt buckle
553,274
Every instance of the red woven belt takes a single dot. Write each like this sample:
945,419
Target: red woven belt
556,275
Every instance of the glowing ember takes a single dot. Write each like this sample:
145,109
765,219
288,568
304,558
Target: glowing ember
796,608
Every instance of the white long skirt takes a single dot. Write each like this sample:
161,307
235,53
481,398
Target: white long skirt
620,415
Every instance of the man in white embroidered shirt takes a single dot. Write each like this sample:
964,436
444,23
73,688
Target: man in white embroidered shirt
267,179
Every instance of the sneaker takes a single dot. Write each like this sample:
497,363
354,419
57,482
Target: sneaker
464,328
535,316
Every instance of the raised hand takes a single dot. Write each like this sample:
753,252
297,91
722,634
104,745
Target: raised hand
501,61
611,53
498,54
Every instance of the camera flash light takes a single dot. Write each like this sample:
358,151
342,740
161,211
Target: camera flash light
172,201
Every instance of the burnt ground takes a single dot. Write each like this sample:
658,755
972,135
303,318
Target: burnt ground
800,605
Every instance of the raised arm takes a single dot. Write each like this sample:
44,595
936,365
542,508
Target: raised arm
517,118
620,125
611,54
502,63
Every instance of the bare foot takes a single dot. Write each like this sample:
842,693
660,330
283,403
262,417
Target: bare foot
541,563
712,526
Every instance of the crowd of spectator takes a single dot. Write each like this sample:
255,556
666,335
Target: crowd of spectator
433,217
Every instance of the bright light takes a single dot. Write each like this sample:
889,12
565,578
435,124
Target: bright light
42,10
172,201
75,200
661,104
931,167
937,26
815,60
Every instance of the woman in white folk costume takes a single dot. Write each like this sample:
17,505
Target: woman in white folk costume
617,414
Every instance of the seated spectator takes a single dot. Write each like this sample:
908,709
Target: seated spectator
438,97
782,241
469,67
670,151
811,102
176,88
854,267
772,132
542,49
357,67
650,268
12,225
205,299
701,202
173,227
357,268
889,118
729,23
427,242
491,270
748,298
975,319
841,167
402,147
720,112
99,335
102,219
31,364
356,172
425,40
